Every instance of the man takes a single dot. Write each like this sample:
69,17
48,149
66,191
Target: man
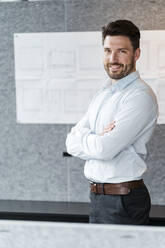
112,136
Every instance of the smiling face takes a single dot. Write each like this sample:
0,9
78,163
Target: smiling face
119,56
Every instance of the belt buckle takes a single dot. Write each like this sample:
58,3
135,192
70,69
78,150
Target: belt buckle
94,189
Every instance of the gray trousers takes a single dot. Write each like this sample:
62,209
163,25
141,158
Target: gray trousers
130,209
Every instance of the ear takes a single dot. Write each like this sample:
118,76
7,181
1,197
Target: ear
137,54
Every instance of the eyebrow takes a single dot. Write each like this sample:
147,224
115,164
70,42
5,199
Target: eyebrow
123,48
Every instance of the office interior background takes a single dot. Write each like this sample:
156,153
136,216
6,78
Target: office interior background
32,165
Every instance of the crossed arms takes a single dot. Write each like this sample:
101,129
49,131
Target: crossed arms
137,115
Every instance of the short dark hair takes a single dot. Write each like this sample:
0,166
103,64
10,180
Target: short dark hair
125,28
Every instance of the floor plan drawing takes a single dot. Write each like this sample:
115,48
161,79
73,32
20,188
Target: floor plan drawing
57,74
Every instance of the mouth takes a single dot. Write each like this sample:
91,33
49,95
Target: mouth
115,67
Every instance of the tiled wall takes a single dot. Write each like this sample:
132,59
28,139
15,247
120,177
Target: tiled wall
31,163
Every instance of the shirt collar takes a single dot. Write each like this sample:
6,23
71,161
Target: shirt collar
122,83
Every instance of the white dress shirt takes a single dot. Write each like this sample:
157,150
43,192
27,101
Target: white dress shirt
117,156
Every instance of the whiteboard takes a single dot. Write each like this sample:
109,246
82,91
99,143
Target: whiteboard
57,74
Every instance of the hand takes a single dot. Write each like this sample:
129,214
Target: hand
109,128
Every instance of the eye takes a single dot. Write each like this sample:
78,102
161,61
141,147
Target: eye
107,50
123,51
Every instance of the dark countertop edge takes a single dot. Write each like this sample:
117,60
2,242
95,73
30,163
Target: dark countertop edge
50,208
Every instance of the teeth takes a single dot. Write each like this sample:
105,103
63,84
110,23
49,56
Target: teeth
115,66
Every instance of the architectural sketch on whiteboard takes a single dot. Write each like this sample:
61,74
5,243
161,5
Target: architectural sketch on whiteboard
57,74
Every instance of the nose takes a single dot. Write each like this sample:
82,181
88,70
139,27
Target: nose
113,58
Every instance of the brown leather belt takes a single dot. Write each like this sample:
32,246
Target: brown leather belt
115,188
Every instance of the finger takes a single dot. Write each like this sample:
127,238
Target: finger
110,127
108,130
111,124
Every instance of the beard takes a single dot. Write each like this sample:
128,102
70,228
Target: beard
122,72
